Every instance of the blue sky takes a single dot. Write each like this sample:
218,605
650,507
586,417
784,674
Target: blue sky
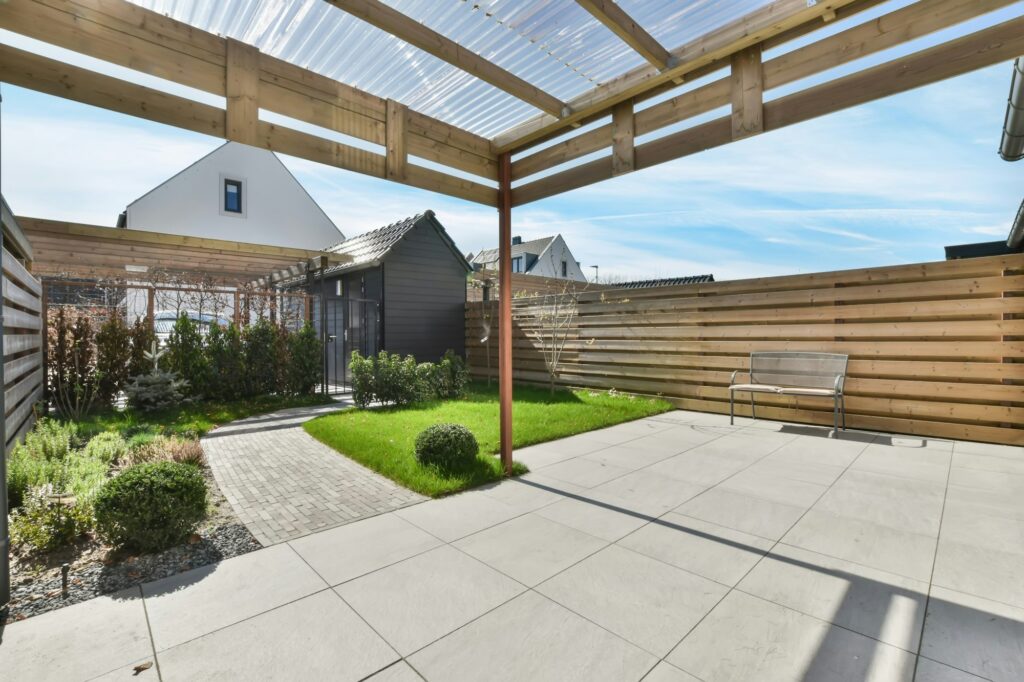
889,182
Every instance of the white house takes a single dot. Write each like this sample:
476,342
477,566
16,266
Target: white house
546,257
238,193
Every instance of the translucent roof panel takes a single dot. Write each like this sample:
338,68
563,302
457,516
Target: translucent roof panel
553,44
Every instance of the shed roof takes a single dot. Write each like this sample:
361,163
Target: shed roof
371,248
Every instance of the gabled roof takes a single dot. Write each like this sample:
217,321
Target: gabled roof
534,246
668,282
371,248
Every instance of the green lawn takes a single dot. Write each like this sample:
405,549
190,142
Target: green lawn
383,439
189,419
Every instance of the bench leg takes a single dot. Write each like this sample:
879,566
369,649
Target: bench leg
732,409
842,406
753,411
835,416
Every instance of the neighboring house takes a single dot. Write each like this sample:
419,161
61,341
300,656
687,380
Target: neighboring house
546,257
409,277
239,193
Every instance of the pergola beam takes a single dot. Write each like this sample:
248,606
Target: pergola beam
770,20
956,57
413,32
747,80
911,22
629,31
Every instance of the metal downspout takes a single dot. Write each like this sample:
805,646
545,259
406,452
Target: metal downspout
1011,148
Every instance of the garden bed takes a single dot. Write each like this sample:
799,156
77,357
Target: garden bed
98,568
383,439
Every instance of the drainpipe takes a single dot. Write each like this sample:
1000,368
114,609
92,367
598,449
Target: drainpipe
1011,148
1016,239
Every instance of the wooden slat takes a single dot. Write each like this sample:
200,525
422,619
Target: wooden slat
633,34
19,343
18,319
17,271
23,388
432,42
747,93
21,418
20,366
18,296
52,77
243,93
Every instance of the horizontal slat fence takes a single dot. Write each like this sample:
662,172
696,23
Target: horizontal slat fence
936,349
23,349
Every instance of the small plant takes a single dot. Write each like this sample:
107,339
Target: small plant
185,355
363,373
143,338
451,377
113,355
25,471
51,439
46,521
168,449
151,506
107,447
157,390
446,446
305,361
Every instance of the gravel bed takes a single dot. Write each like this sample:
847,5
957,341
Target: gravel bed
96,569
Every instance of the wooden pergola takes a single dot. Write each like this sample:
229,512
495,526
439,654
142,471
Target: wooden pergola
520,164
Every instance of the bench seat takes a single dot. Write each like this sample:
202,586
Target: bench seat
759,388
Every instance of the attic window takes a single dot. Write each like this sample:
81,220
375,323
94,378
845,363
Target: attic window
565,269
232,196
517,264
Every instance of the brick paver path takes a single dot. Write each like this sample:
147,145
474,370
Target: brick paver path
284,484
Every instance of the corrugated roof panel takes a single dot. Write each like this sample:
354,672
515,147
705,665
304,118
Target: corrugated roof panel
553,44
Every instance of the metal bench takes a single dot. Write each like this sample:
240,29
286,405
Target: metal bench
794,373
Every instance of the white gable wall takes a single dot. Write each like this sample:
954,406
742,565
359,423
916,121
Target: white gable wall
276,209
549,263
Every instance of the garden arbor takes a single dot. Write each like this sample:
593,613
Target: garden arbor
502,104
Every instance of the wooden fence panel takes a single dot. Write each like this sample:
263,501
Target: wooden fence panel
23,358
936,349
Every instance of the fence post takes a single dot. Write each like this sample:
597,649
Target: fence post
151,307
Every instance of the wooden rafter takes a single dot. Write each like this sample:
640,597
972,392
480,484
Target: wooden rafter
770,20
974,51
125,34
633,34
445,49
911,22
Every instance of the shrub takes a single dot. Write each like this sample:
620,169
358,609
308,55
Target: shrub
259,343
82,477
362,372
142,339
168,449
157,390
71,363
446,446
185,355
151,506
224,356
44,523
107,447
305,361
452,376
25,471
113,355
427,380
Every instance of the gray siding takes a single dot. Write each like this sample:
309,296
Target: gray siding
424,296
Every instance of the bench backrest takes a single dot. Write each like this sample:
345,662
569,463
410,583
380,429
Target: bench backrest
796,368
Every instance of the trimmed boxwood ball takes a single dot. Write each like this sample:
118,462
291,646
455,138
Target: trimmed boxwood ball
446,446
151,506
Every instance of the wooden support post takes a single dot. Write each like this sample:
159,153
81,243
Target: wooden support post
243,82
747,93
623,155
397,154
505,308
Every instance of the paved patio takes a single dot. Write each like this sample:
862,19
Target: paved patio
284,484
673,548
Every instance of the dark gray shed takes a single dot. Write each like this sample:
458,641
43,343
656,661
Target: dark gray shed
416,275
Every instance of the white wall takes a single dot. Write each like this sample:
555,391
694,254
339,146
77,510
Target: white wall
277,210
549,263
